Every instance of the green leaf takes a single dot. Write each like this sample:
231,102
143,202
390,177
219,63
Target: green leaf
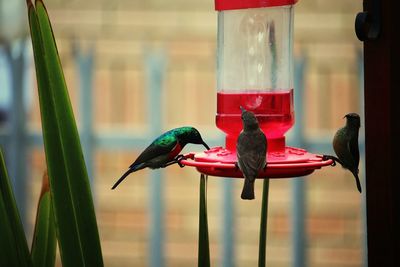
13,246
263,225
73,208
204,248
44,241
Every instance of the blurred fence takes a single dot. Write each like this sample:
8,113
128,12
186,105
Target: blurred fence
16,139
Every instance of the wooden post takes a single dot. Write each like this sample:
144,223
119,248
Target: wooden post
382,142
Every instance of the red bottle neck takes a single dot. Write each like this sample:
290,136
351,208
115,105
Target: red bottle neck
276,145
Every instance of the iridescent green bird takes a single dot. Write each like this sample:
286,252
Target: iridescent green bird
165,150
345,145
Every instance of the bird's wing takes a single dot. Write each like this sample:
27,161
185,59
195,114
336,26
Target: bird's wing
252,156
161,146
353,148
341,145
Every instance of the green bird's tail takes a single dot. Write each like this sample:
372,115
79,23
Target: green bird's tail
131,169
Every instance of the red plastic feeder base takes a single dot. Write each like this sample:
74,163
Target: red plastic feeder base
219,161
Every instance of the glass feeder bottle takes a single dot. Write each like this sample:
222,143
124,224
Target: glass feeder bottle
255,67
255,71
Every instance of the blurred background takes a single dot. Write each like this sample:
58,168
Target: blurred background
137,68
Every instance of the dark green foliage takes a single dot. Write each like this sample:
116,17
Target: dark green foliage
73,208
13,246
44,242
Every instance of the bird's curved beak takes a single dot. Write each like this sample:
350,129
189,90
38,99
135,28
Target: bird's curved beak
205,145
242,109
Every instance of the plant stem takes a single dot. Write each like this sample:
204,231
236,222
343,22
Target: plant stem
204,249
263,225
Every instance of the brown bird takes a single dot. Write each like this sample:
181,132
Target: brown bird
345,145
251,149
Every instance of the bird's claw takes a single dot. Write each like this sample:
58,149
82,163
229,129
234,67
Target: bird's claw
236,166
178,160
329,157
180,164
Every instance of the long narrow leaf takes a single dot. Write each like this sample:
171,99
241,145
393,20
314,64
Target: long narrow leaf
8,255
13,246
44,241
73,208
262,246
204,249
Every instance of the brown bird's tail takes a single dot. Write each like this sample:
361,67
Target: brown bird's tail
248,189
355,173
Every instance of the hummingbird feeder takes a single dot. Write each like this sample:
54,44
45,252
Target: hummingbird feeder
255,71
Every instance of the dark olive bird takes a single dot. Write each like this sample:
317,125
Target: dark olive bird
251,150
345,145
164,150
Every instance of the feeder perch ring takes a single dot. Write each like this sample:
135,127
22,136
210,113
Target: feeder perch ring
292,162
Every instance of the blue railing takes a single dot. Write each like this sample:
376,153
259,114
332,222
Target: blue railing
14,140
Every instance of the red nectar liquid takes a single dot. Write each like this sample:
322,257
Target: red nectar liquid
274,111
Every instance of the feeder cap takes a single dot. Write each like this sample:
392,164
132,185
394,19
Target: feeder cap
222,5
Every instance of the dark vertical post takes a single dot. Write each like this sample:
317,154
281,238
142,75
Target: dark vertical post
382,142
360,67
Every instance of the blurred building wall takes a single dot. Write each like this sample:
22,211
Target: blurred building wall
122,32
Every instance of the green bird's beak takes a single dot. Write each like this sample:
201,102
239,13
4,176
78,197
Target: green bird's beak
205,145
